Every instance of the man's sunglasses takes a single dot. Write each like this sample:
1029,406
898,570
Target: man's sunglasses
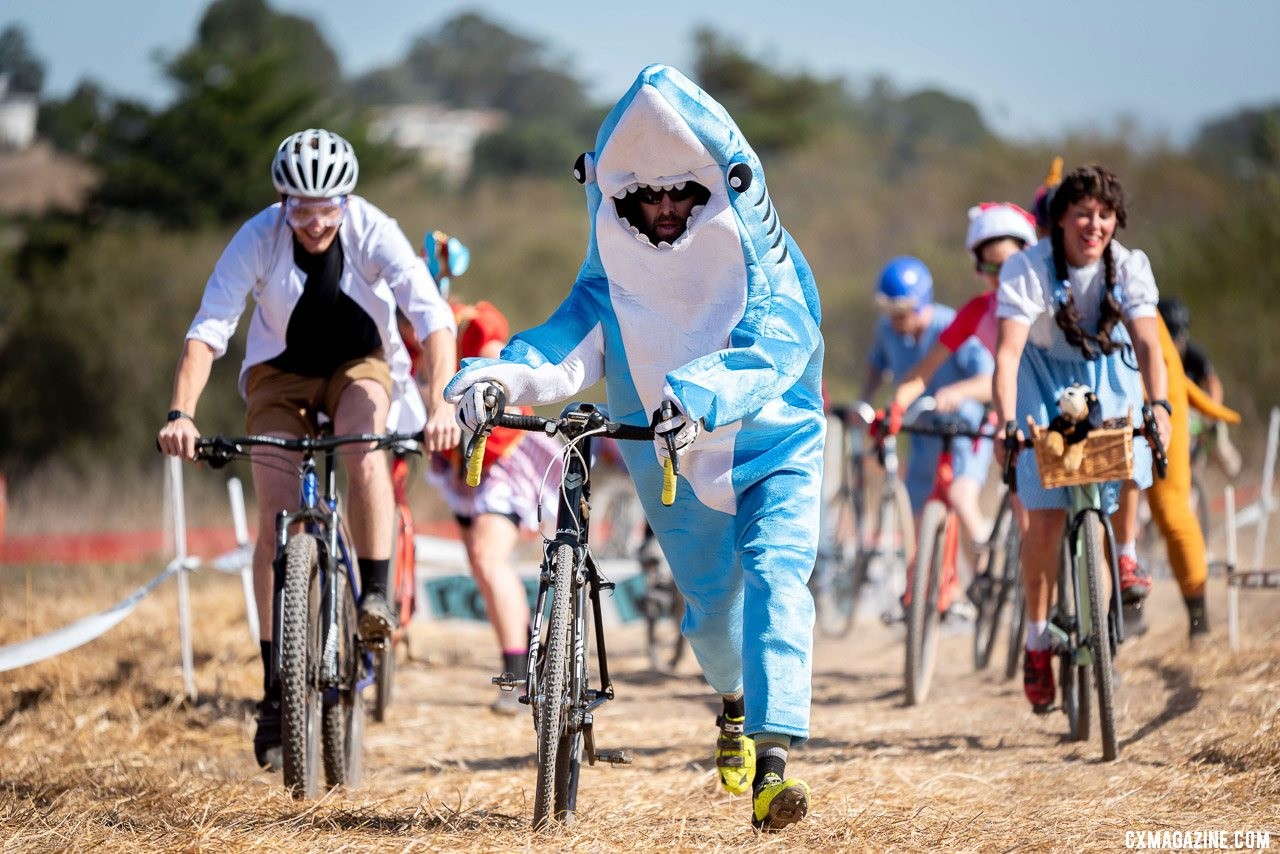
987,268
679,193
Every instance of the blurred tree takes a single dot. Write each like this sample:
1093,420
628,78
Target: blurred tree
252,77
25,71
775,111
74,123
1245,145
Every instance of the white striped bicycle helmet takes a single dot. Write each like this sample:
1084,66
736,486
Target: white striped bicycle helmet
315,163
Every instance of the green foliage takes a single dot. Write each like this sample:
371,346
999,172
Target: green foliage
475,63
1245,145
25,70
775,111
74,124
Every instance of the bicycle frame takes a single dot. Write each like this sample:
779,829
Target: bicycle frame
1086,502
321,519
572,529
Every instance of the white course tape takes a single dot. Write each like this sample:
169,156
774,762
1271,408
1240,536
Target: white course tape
81,631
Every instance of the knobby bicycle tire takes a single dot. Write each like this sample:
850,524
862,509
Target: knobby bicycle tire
986,628
1100,640
300,699
836,574
1073,682
1017,630
343,716
385,661
552,700
922,611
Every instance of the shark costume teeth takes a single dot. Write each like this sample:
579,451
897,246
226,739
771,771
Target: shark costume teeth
724,321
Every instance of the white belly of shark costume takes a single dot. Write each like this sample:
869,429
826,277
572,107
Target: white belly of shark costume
724,321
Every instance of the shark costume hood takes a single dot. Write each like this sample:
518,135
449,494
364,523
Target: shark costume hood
723,321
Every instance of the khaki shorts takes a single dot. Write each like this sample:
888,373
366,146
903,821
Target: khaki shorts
282,402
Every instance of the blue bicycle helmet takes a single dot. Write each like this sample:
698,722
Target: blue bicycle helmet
446,257
905,283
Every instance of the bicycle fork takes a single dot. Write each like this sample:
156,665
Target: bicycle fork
1074,636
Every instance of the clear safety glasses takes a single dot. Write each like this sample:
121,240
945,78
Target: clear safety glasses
301,213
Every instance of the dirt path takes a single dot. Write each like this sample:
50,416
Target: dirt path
98,753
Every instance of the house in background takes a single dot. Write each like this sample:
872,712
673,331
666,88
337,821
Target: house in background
18,111
444,139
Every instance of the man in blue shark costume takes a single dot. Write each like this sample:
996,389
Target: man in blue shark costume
721,319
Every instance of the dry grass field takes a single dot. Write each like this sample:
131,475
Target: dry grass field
100,751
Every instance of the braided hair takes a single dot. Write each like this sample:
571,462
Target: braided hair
1087,182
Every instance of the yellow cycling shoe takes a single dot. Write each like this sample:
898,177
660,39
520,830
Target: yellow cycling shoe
779,802
735,756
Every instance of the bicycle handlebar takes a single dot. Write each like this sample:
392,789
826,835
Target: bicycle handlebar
574,424
1159,459
220,450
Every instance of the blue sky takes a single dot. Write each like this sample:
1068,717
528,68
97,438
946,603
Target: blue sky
1035,69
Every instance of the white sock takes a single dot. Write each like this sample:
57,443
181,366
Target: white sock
1037,635
1129,549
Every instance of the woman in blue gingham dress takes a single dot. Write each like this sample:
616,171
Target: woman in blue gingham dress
1079,308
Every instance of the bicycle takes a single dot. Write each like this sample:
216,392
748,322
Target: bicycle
882,564
319,659
662,606
934,577
997,589
838,574
1076,629
403,590
558,683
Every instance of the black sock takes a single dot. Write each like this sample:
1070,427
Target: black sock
516,662
770,762
373,576
736,707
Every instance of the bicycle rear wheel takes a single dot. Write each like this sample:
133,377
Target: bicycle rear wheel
552,699
343,717
922,611
1017,629
1001,573
1073,679
1100,639
300,639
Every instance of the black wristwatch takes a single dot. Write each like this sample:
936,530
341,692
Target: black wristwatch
175,414
1163,404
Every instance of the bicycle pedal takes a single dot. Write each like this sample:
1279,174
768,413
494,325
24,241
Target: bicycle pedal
507,681
615,757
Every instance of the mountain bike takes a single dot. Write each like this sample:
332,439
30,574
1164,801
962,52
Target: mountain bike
558,685
934,578
881,567
839,572
319,660
1086,623
997,590
662,606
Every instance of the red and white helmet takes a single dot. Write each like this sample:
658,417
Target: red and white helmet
315,163
992,220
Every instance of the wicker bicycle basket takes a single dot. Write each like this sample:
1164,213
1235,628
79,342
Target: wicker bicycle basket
1108,455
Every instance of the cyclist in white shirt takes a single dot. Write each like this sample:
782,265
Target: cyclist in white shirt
327,271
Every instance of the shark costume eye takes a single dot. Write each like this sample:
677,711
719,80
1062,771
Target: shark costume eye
584,168
740,177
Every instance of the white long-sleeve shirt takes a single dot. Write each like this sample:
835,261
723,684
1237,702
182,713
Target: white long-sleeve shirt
381,271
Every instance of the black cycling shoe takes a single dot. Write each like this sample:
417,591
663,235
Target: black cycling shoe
266,737
377,620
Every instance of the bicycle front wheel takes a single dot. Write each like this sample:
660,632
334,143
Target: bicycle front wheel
922,611
552,700
300,701
343,718
1100,639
